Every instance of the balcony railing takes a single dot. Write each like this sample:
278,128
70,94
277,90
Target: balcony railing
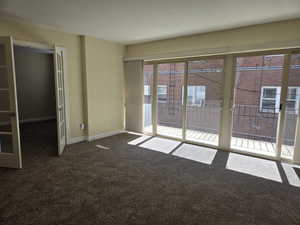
249,122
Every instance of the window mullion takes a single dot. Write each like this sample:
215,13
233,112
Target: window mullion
283,97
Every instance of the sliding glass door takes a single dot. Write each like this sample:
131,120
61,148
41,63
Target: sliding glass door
170,79
187,98
256,104
291,108
204,100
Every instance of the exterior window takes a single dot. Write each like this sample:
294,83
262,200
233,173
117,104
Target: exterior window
270,99
293,97
162,92
147,90
196,95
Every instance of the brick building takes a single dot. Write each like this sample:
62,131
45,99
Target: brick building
256,95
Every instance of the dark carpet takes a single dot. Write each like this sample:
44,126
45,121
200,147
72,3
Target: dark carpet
131,185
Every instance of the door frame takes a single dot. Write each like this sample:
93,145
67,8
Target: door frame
281,114
51,49
12,159
185,61
228,91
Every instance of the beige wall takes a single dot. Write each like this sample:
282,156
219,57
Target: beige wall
26,32
104,80
35,84
95,75
96,89
134,95
266,36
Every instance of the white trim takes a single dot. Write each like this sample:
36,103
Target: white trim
267,46
95,137
105,134
66,95
76,140
36,45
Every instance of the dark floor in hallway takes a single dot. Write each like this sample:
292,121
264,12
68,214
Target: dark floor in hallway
131,185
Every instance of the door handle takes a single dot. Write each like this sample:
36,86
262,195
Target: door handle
280,107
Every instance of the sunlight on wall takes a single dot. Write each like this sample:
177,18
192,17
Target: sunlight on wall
254,166
196,153
160,145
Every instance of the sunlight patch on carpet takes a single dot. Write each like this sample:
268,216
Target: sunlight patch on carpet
254,166
196,153
160,145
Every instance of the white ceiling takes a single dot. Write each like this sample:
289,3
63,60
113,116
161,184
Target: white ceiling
134,21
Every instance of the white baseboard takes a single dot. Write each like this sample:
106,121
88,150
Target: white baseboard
105,134
94,137
77,140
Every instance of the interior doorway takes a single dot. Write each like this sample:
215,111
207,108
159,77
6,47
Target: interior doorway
36,102
10,141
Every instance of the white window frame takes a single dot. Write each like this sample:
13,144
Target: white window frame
297,99
194,87
277,99
147,90
165,93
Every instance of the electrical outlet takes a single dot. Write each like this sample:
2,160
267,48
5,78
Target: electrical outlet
82,126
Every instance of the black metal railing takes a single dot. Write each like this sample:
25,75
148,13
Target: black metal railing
249,121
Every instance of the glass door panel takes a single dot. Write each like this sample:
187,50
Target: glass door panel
5,134
5,120
148,91
256,103
170,82
10,151
204,100
291,109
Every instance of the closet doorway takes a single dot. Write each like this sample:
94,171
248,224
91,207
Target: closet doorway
36,101
32,101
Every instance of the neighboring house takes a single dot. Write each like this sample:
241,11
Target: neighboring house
256,95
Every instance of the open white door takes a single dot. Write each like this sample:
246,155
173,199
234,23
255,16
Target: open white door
60,98
10,149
